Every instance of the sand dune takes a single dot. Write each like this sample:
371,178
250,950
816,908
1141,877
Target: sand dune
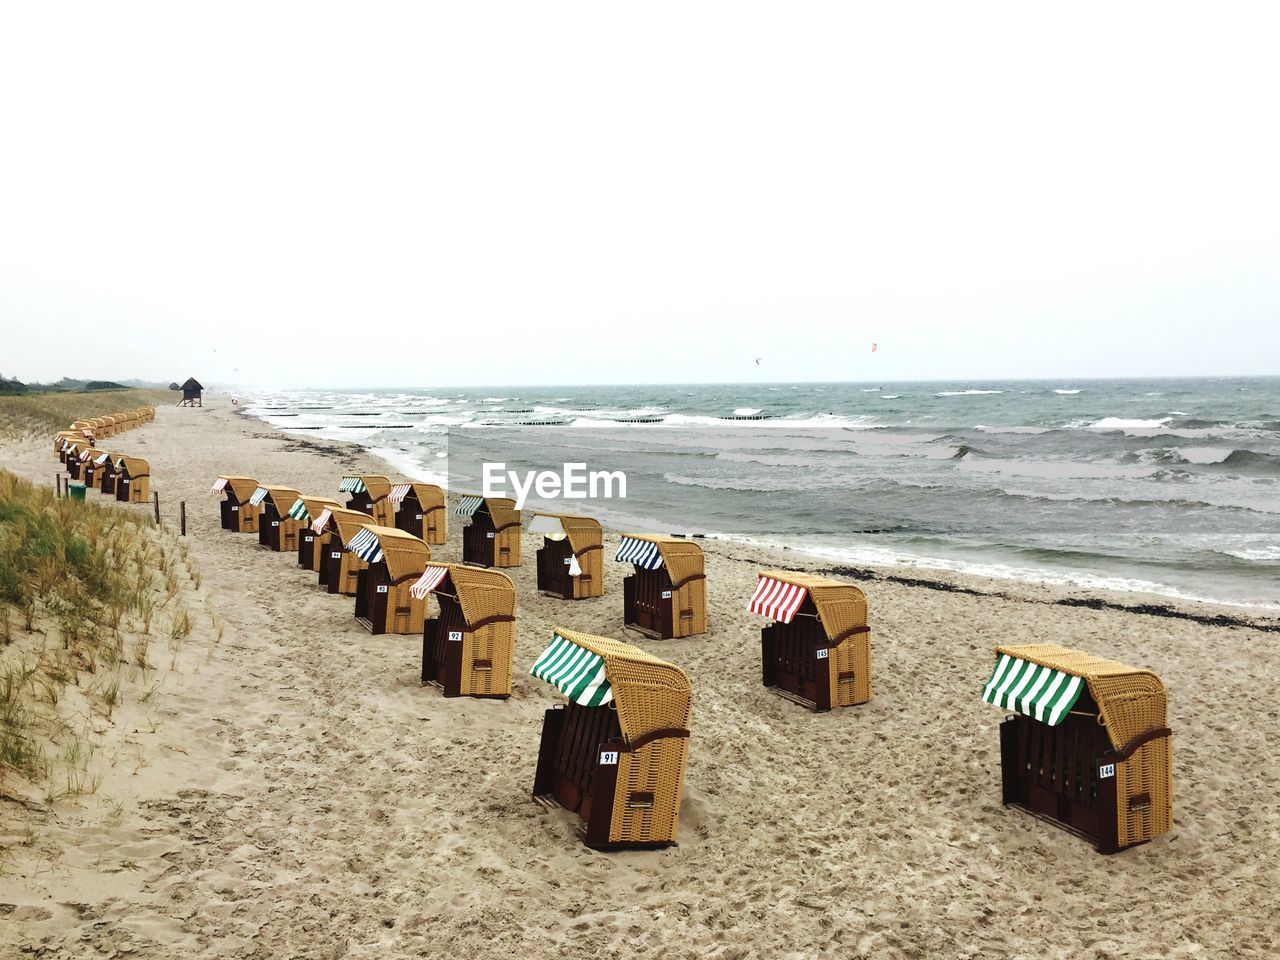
303,796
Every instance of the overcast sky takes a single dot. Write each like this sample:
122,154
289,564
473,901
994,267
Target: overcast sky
459,193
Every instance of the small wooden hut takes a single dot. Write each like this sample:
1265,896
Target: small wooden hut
571,559
133,480
339,567
370,495
277,530
191,393
310,549
666,597
467,649
492,537
238,514
420,510
615,754
1088,746
394,561
817,651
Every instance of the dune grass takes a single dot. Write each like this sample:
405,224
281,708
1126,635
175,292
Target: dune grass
46,413
76,580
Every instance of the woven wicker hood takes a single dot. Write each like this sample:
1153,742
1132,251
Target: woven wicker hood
241,487
282,498
1131,701
430,497
841,606
346,523
682,558
649,694
503,511
482,593
403,553
135,467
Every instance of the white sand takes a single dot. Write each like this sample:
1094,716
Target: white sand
301,795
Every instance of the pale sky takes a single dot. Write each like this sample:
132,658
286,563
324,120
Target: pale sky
455,193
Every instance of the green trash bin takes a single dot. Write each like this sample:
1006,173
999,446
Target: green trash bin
76,490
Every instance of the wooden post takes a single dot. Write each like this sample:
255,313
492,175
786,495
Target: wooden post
57,485
156,498
182,513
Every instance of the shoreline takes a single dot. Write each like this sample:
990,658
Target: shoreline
1138,602
299,792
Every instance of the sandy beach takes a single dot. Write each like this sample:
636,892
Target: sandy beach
297,793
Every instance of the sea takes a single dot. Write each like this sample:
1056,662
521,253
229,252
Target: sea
1168,486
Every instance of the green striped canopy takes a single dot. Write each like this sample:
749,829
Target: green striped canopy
299,510
1030,689
574,671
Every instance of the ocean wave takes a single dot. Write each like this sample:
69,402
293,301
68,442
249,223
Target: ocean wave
967,393
1255,554
1120,423
1066,393
890,396
746,411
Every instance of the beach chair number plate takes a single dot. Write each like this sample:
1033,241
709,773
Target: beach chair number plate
275,523
568,560
824,653
609,758
489,534
308,539
666,594
382,588
234,507
337,554
1106,770
419,517
455,635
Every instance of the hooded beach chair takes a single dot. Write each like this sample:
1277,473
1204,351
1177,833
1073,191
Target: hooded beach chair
420,510
571,559
666,596
467,649
615,754
394,561
238,514
277,530
370,494
1088,746
307,509
817,651
492,537
133,480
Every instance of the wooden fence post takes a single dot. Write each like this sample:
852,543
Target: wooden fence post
182,511
57,486
156,497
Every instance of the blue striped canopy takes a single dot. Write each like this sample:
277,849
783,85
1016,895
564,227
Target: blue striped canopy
640,552
366,546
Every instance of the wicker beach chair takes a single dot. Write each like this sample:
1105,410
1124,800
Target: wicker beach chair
571,559
339,567
615,754
277,530
492,537
467,649
133,480
370,494
307,509
666,596
817,651
420,510
238,514
394,561
1088,746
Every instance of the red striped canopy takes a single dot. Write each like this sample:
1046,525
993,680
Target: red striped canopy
431,578
219,485
322,521
776,599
